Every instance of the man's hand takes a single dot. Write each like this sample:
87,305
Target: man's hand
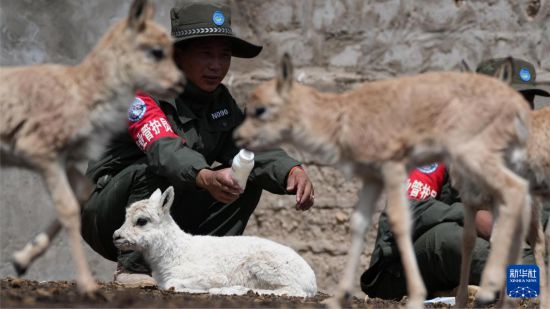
299,184
219,184
484,224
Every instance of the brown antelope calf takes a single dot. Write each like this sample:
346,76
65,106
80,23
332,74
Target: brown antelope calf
382,129
536,168
538,173
538,152
55,118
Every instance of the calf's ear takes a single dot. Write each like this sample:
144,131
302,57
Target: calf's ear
140,11
285,77
167,199
155,197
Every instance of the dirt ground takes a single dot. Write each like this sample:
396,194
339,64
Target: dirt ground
22,293
54,294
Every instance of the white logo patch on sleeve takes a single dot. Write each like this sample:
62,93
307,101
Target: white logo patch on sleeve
137,110
428,169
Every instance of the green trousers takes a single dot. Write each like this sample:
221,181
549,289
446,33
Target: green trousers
438,252
195,211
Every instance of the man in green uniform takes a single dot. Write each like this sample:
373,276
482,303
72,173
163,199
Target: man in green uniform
176,142
438,217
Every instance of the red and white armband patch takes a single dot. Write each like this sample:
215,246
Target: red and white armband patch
147,122
426,181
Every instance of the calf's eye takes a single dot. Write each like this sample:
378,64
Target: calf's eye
157,53
141,221
259,111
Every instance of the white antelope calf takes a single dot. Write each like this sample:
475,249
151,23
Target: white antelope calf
210,264
382,129
55,118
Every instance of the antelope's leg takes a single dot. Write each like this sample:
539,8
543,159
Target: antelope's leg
68,211
23,258
360,221
511,192
400,220
468,243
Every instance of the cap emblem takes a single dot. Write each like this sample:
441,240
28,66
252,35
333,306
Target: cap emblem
524,74
218,18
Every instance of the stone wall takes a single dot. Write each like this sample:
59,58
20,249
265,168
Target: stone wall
334,44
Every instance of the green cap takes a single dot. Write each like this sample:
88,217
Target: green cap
523,74
193,19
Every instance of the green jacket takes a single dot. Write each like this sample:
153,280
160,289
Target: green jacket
203,124
425,215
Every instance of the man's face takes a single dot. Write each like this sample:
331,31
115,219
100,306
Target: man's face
205,61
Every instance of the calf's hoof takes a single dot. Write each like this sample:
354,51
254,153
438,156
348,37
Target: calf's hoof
20,269
484,298
332,303
95,295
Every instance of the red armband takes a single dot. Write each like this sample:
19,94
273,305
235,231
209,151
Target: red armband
147,122
426,181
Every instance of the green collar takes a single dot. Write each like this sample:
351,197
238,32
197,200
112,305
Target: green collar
193,102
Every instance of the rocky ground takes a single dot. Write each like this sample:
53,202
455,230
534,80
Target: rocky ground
22,293
55,294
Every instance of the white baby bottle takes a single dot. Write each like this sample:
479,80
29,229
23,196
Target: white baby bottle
242,165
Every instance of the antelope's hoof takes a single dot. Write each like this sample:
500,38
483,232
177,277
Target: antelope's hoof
94,295
332,303
472,292
343,297
346,296
414,303
19,269
88,288
484,299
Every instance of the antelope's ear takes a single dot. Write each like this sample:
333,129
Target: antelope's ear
140,11
504,71
167,199
285,78
155,197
